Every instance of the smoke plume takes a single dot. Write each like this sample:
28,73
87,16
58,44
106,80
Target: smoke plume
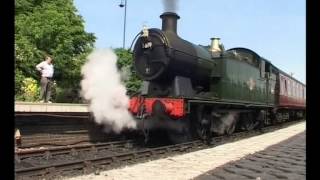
170,5
102,87
125,73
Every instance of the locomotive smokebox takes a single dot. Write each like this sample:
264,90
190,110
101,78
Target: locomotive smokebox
169,21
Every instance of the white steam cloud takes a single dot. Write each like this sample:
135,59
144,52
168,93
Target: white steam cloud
170,5
102,86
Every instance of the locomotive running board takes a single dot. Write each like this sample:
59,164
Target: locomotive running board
226,103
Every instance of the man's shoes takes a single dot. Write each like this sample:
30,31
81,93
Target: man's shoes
49,102
42,101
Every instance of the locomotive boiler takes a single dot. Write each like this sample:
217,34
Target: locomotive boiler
198,91
161,57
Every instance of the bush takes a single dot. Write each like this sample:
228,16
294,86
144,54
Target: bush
67,95
19,77
30,90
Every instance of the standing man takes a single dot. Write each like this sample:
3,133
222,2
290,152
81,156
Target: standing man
46,69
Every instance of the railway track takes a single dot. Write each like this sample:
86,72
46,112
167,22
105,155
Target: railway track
83,159
70,149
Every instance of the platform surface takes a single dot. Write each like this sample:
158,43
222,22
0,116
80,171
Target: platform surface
49,107
195,164
285,160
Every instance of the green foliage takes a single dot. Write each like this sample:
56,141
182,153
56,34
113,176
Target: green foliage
125,63
50,27
67,95
54,27
18,81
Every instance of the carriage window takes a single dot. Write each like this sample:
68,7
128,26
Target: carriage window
299,93
289,88
285,86
294,89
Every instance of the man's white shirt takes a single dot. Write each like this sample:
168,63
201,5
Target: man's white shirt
46,69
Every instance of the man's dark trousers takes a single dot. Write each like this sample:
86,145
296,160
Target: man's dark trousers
45,92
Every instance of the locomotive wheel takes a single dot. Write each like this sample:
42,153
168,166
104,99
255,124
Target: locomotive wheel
231,129
179,137
279,117
248,122
203,124
182,136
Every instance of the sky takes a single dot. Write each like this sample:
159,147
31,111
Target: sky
275,29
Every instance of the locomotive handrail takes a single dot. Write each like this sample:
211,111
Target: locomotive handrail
219,101
163,37
133,42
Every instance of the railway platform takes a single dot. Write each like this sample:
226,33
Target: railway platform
275,155
27,107
285,160
53,123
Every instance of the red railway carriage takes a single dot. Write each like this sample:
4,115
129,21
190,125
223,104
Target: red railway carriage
292,93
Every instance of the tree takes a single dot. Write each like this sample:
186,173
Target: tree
125,64
50,27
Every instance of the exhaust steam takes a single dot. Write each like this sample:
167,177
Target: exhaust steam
102,87
170,5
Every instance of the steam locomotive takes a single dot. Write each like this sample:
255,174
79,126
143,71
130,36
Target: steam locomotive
199,91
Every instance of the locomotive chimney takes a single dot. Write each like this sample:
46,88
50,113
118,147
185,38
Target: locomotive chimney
169,21
215,47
